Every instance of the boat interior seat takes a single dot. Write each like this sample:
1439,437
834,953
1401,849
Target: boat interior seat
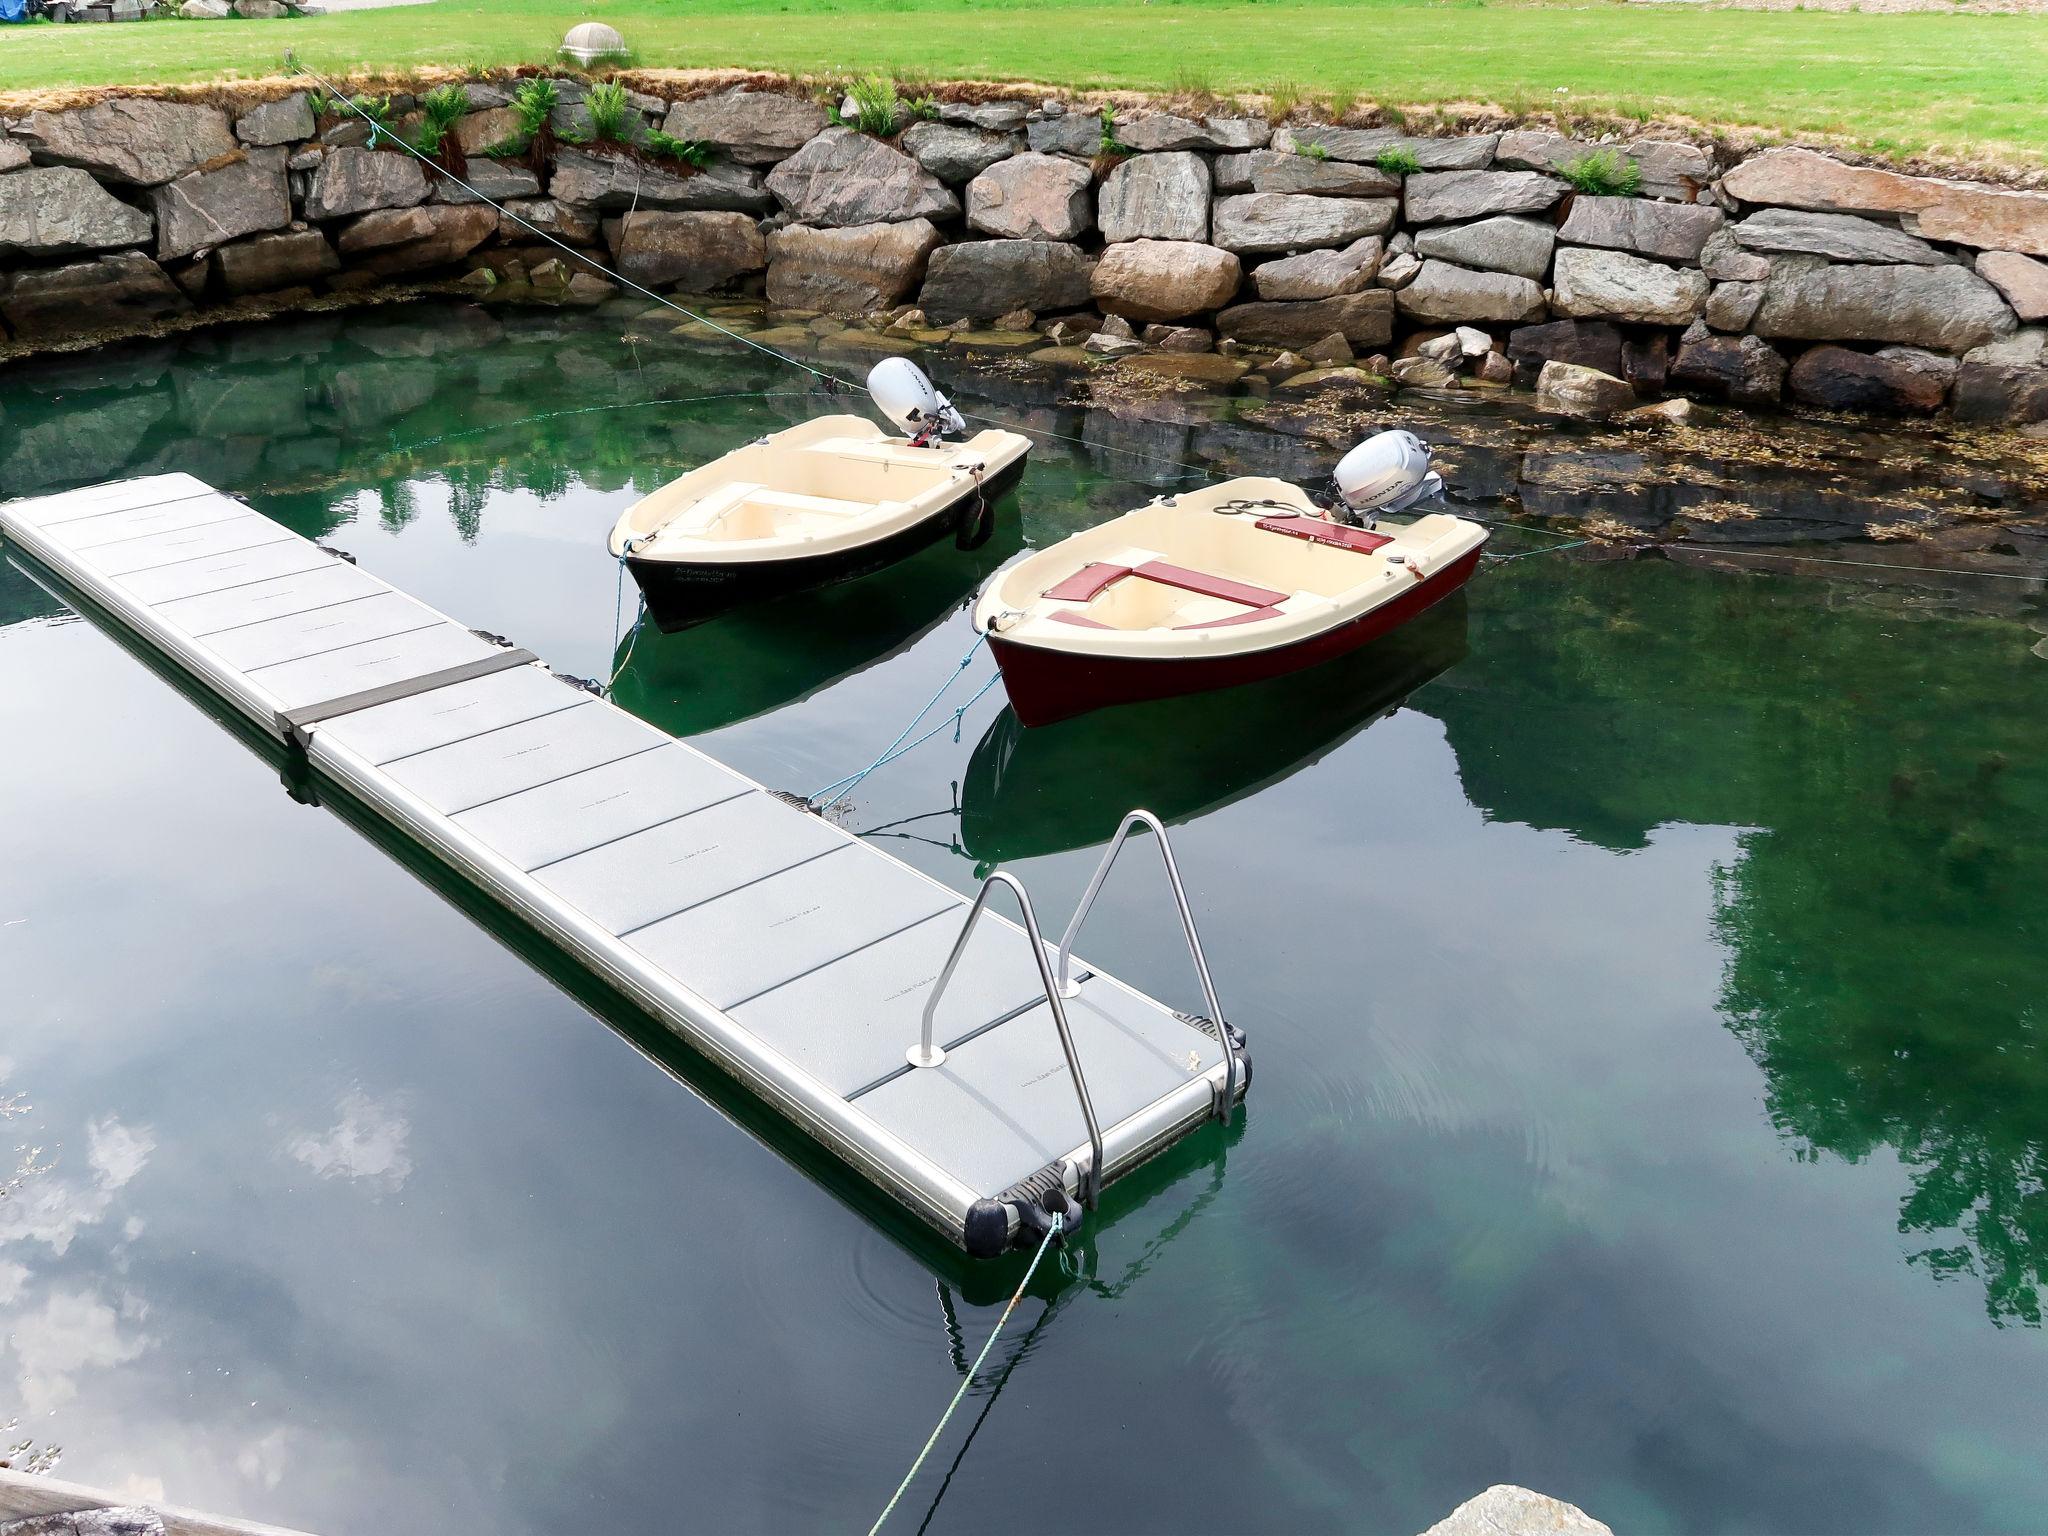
1137,589
744,509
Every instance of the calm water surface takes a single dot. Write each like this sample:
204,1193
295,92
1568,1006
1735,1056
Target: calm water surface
1643,967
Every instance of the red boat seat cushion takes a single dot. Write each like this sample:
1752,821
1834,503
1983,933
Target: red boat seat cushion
1300,526
1087,581
1209,586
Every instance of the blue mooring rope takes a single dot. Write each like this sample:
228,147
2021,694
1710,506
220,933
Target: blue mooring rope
972,1371
900,745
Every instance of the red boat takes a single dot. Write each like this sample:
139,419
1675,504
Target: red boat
1230,584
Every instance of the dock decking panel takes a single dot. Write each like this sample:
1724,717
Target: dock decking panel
795,953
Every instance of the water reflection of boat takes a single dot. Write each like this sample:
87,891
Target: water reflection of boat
1051,788
762,658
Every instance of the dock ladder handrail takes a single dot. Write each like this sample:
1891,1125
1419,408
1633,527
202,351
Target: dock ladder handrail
1069,988
928,1053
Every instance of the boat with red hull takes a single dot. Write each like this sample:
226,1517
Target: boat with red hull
1235,583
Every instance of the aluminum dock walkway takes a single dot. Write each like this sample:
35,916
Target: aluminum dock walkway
795,955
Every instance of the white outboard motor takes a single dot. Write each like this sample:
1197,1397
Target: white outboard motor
903,394
1388,472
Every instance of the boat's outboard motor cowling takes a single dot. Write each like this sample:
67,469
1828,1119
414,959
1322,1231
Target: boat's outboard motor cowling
1388,472
903,394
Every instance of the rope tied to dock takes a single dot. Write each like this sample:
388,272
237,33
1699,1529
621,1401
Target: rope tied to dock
900,746
1051,1233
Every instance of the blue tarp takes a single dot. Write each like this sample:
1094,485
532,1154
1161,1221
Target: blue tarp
13,10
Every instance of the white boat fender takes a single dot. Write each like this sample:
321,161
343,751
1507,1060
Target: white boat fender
902,393
1388,472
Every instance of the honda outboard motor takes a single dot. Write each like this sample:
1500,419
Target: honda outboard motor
1388,472
903,394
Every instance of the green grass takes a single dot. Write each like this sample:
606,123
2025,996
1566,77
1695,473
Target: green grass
1955,85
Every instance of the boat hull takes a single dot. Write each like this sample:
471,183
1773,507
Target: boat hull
680,593
1046,685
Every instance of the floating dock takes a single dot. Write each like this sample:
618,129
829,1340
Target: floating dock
798,957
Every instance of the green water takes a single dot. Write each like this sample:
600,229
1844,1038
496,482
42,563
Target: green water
1643,968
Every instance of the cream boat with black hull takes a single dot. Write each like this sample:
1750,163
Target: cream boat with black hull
827,501
1230,584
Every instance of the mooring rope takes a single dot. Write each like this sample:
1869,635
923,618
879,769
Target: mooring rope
586,410
972,1371
898,748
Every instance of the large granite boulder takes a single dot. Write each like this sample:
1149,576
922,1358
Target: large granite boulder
350,181
1949,309
1031,196
1071,133
1732,306
2022,280
1165,279
1272,170
207,208
1838,379
1364,146
848,269
14,155
270,262
1447,197
619,184
284,121
1156,197
1837,236
1725,261
697,252
1669,231
753,127
1592,284
1445,294
2001,394
981,279
1363,319
393,240
502,181
955,153
1154,132
1669,168
130,139
841,179
1590,343
1744,369
481,132
1587,394
523,219
1507,1509
88,296
1508,243
1321,274
1965,213
989,116
1260,223
57,211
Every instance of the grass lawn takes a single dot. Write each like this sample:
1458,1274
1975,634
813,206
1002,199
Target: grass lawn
1954,86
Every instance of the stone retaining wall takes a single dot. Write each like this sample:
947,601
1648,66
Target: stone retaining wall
1293,248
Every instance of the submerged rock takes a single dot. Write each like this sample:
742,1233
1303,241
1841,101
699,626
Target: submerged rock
1839,379
1566,389
1744,369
